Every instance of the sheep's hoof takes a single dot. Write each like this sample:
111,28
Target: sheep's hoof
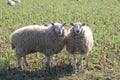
27,64
74,71
19,67
75,68
82,70
48,68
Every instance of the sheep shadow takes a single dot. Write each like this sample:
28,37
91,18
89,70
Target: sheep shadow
55,73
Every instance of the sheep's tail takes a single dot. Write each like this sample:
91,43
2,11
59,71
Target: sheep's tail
13,46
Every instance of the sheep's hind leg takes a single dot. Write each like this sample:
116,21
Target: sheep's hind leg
25,60
86,59
19,57
48,63
20,63
75,62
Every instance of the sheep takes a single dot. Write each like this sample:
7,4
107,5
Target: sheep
12,2
79,39
34,38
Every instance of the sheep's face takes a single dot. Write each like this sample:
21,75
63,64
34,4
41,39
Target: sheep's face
77,27
59,28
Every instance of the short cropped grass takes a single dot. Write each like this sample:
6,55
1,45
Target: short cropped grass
102,16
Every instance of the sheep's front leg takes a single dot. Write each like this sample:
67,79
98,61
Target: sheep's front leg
48,63
81,62
25,60
87,58
75,62
19,62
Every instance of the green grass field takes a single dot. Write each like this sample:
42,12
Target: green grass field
102,16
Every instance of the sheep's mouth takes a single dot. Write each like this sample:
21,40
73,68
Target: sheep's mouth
78,33
60,35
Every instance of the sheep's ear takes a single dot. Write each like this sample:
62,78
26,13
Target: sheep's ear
83,24
63,24
53,24
71,24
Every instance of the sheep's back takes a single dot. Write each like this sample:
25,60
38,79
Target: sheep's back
28,37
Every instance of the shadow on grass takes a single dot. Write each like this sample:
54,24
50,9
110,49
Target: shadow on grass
54,74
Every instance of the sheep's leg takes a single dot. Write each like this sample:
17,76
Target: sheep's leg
75,62
81,62
19,62
25,60
48,63
19,57
87,58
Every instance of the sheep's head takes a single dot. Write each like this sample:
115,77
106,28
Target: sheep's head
59,28
77,27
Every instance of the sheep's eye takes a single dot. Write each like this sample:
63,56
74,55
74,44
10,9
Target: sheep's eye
56,29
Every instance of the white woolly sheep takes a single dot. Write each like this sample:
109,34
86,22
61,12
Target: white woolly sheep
47,40
12,2
79,39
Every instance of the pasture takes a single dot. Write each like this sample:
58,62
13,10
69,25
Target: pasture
102,16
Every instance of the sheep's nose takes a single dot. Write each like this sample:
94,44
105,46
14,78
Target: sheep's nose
77,31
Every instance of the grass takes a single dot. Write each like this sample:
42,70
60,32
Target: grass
102,16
